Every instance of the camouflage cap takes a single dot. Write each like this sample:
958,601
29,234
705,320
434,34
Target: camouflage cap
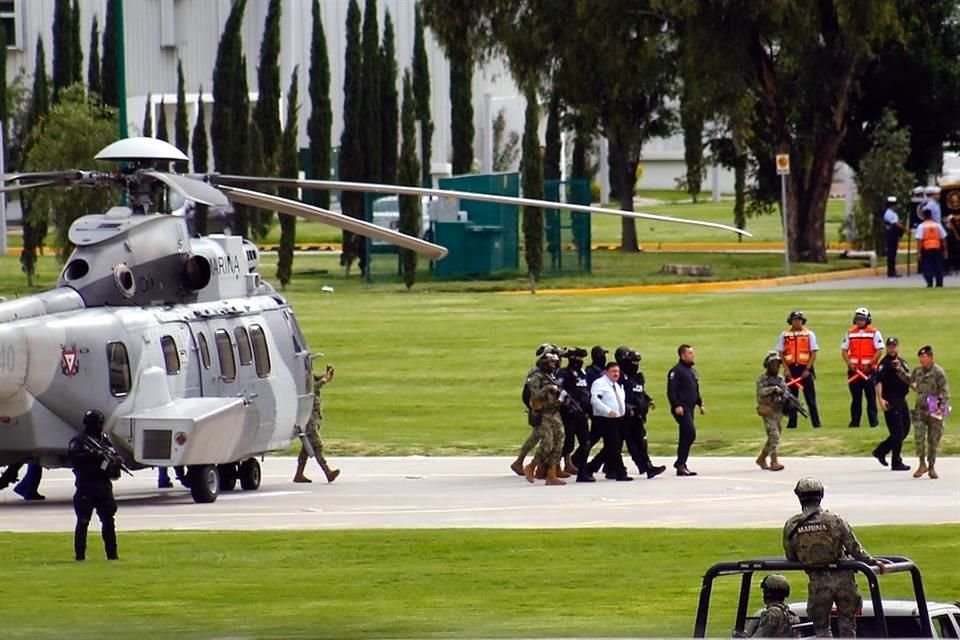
772,356
548,347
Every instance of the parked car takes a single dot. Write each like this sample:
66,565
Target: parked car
386,213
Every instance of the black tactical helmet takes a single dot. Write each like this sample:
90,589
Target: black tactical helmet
808,488
93,419
796,314
575,353
598,353
621,354
775,586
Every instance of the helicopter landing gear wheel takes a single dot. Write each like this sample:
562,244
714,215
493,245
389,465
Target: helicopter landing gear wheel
228,476
250,474
204,483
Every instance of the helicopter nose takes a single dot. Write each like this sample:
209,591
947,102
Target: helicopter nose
13,360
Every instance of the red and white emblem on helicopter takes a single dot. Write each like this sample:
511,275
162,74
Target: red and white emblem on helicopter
69,361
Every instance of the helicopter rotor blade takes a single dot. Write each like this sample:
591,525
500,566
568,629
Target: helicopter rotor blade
309,212
364,187
195,190
32,185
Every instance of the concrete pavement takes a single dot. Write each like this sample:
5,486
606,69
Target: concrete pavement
455,492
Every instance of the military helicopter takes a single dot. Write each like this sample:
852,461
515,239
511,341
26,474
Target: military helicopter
195,360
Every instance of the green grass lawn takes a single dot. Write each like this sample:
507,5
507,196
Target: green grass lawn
409,583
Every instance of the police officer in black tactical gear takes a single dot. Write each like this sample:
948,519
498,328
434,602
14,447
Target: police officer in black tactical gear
893,385
574,412
598,362
95,464
683,393
638,403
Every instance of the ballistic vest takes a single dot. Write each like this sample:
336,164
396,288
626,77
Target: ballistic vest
796,347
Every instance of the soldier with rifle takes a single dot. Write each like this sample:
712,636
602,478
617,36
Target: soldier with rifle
773,399
95,464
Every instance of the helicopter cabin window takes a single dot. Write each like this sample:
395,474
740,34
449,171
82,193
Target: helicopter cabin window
170,356
228,366
119,365
243,345
260,351
204,350
295,333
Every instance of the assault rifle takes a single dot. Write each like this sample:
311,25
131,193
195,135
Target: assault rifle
109,455
790,401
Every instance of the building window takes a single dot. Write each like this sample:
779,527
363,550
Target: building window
260,351
119,365
204,351
171,359
228,366
243,345
10,19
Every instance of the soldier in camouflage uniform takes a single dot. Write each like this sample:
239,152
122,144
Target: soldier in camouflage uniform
545,400
535,434
312,433
776,620
932,407
770,407
818,538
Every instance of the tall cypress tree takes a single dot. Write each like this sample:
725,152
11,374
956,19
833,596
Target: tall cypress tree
181,124
532,177
258,223
288,169
371,132
243,159
34,231
109,73
63,48
162,131
461,109
321,114
76,56
409,174
551,153
351,151
421,93
3,94
200,150
266,113
388,101
148,118
94,82
229,52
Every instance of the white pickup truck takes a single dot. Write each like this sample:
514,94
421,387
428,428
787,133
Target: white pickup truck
878,618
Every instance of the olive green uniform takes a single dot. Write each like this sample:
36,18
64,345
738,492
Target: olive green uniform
312,431
776,621
770,408
545,401
927,428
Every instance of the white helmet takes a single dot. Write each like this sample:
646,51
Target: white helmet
862,312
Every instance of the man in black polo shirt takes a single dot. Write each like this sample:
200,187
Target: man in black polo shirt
683,392
893,384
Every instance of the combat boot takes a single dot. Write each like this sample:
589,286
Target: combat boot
774,464
540,472
327,471
560,472
921,468
569,467
517,466
552,478
529,472
298,476
762,460
933,473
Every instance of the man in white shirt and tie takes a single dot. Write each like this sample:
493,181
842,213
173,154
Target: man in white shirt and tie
607,402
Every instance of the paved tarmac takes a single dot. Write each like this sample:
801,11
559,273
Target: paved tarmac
419,492
913,281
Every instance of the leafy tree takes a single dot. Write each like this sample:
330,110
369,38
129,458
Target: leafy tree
882,173
148,118
321,114
532,177
692,117
34,230
63,47
200,150
421,94
409,174
505,152
388,101
351,151
775,53
163,132
181,124
551,154
69,136
94,82
109,73
371,133
288,166
222,125
266,113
